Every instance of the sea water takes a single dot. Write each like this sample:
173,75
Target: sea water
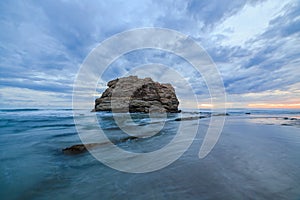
253,159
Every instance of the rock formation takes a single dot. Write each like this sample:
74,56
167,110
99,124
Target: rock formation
131,94
81,148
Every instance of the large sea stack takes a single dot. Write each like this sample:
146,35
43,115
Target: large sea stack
132,94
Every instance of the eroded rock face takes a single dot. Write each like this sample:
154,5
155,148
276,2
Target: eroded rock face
131,94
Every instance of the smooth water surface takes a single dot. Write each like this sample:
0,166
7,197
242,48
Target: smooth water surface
252,160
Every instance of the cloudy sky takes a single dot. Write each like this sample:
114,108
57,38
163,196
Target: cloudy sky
255,45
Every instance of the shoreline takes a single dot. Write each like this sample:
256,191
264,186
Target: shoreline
192,116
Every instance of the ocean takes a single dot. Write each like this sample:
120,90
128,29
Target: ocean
256,157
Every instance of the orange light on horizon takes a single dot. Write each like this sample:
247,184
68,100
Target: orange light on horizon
205,105
274,105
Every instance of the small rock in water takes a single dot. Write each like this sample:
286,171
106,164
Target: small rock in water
188,118
221,114
75,149
79,148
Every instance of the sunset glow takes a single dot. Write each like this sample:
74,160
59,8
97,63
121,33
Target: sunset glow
275,105
204,105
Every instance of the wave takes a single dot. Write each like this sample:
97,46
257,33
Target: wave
64,135
53,125
33,109
19,110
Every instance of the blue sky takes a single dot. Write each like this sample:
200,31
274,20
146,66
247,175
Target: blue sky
255,45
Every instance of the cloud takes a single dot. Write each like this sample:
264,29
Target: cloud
286,24
211,12
267,61
253,43
12,97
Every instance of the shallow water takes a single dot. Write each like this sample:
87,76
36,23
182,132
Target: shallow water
251,160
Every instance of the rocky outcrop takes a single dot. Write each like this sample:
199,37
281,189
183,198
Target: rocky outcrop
81,148
131,94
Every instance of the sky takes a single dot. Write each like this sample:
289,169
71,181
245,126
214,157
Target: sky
255,45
